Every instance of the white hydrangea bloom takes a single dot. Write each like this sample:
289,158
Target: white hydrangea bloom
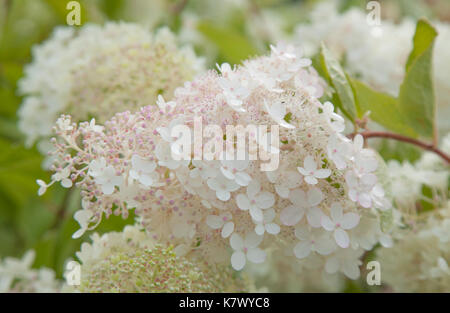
97,71
377,57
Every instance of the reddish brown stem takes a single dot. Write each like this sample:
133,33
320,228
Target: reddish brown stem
421,144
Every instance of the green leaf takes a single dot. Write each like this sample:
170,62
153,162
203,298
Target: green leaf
383,108
337,78
233,46
416,98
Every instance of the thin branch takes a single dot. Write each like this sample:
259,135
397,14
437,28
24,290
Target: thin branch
421,144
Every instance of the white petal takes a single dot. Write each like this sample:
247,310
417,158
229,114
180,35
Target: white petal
223,195
336,212
341,238
243,202
327,223
311,180
265,200
322,173
214,221
236,242
253,188
282,191
242,179
332,265
291,215
324,246
256,214
238,260
227,229
66,183
252,240
350,220
256,255
259,229
309,164
79,233
314,216
302,249
351,270
298,197
315,196
272,228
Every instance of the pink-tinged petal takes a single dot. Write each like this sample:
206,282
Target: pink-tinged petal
309,164
350,220
369,180
291,215
314,217
256,255
265,200
351,179
214,221
303,171
311,180
322,173
252,240
315,196
341,238
243,202
336,212
272,228
227,229
238,260
302,249
332,265
365,200
353,195
236,242
327,223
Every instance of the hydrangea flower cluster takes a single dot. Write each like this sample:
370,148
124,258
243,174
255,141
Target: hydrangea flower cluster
130,261
16,275
420,257
97,71
322,202
376,54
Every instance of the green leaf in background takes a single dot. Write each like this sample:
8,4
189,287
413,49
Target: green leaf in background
416,98
337,78
233,46
383,108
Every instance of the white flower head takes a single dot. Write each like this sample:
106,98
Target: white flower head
303,202
222,221
255,200
339,223
311,172
246,249
143,170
